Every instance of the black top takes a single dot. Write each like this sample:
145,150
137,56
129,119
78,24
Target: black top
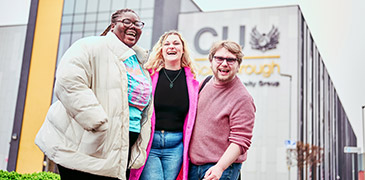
171,104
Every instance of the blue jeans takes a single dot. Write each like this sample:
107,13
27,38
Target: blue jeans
197,172
165,158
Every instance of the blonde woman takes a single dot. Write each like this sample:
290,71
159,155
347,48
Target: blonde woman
175,92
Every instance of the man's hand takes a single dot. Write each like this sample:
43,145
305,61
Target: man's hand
228,157
213,173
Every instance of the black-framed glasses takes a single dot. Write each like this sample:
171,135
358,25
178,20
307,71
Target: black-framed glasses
128,23
220,60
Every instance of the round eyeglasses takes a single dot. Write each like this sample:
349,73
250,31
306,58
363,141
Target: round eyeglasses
220,60
128,23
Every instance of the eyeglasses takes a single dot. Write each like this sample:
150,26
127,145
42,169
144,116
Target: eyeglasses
220,60
128,23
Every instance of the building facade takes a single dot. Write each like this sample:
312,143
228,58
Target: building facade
301,128
52,27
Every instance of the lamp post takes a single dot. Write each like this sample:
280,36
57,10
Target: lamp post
363,145
290,84
363,133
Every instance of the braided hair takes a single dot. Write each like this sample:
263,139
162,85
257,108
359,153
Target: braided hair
114,18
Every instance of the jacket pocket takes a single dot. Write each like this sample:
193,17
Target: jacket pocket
92,143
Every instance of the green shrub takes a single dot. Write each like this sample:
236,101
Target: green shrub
4,175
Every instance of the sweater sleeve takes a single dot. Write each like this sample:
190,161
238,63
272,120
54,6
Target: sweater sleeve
73,88
242,122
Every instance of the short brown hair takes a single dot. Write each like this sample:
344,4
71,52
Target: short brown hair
231,46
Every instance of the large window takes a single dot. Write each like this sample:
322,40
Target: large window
84,18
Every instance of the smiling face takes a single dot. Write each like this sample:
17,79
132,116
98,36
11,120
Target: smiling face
224,72
172,50
128,35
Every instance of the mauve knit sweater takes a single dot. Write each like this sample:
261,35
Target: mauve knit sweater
225,115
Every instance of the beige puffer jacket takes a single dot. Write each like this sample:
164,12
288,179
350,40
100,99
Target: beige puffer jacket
87,129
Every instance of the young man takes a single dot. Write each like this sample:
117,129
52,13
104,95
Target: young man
225,118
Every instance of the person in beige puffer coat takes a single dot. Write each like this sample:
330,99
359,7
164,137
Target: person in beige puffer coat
87,130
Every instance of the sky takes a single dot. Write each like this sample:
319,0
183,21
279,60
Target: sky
338,28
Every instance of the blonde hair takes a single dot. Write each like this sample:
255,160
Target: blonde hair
156,62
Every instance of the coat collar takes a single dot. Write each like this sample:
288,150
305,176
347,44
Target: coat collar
122,51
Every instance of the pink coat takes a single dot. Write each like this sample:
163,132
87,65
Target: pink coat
193,89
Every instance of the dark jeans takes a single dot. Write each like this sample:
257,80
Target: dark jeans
69,174
133,136
231,173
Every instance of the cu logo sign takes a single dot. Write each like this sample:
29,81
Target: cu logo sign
213,32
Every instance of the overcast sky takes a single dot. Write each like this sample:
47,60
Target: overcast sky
338,28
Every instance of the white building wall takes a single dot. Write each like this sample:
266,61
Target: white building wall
13,24
12,40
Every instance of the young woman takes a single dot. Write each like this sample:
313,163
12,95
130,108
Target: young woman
103,106
175,92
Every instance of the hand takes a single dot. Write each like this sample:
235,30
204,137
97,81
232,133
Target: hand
213,173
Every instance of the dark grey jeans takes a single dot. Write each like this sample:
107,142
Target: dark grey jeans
231,173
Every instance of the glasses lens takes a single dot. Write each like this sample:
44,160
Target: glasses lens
229,61
127,22
139,24
218,59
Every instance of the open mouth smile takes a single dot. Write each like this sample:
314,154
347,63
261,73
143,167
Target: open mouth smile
131,33
224,71
171,53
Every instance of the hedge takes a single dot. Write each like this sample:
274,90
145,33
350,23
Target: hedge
5,175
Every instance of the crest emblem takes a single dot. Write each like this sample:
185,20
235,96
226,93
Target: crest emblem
264,41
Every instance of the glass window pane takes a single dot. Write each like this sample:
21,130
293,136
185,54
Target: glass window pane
80,18
90,17
78,27
63,45
92,6
133,4
67,19
90,26
146,13
68,6
80,6
102,26
104,5
104,16
147,4
118,4
66,28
